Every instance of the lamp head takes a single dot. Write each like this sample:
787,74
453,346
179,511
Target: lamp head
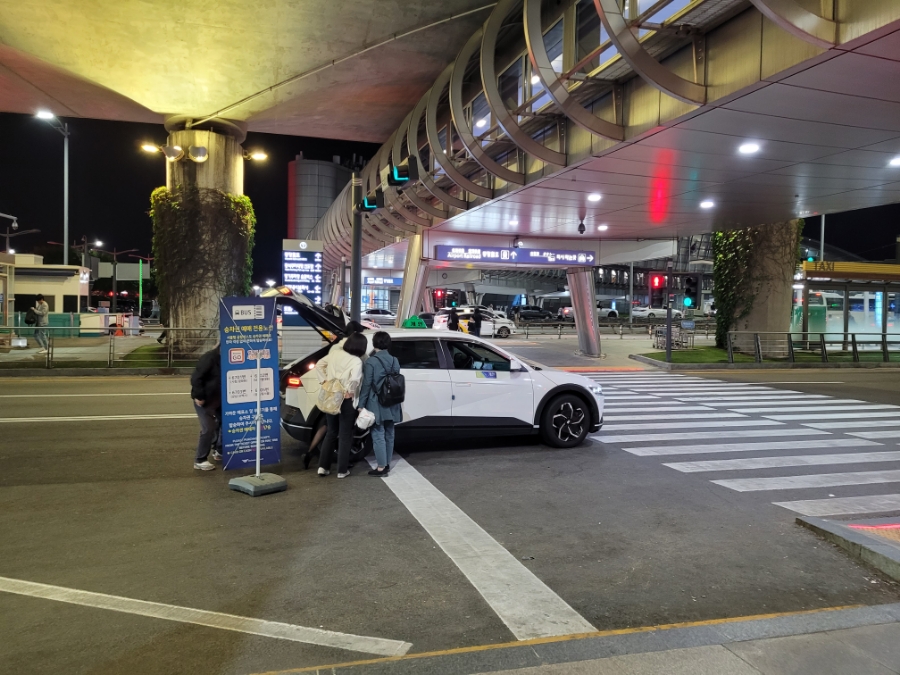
15,225
256,155
581,227
44,115
150,147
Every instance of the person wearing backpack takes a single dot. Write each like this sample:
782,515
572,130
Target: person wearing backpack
380,374
340,374
41,310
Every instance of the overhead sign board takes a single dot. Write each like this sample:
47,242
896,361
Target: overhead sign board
521,256
301,267
382,281
247,332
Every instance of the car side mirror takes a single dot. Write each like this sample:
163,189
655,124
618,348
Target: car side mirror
516,367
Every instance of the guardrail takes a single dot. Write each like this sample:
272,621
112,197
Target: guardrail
827,347
614,326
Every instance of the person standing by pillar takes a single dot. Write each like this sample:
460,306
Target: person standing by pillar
475,323
206,391
453,320
41,312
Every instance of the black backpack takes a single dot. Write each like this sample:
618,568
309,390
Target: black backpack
393,389
30,317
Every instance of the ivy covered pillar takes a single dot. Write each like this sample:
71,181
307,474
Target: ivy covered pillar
203,225
753,272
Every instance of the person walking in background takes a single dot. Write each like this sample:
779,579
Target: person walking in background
206,392
453,320
154,309
342,366
475,323
375,370
41,312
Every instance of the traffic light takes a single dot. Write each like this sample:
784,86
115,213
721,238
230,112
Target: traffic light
400,176
809,258
371,201
657,282
690,292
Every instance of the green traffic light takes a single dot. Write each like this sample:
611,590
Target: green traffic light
688,302
810,259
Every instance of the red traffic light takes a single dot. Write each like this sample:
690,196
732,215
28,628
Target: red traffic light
657,281
439,293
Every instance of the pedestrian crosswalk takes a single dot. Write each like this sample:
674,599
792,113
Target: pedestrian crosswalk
756,438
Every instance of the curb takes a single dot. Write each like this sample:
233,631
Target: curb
879,554
662,365
91,372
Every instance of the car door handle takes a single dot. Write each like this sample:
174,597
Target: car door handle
463,384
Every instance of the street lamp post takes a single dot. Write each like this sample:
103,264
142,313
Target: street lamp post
62,128
15,226
115,256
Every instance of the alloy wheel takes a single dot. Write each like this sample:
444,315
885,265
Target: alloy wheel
568,422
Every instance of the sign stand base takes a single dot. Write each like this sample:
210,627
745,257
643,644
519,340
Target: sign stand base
258,484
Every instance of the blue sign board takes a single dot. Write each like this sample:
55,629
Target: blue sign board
382,281
688,325
520,256
247,331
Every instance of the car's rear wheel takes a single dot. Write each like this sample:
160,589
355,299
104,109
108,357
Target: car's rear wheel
503,332
613,315
651,316
565,421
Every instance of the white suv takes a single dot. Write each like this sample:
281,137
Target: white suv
456,384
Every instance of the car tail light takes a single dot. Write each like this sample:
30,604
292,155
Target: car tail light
293,382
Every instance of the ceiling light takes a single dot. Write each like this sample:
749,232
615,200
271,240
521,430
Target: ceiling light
535,79
748,148
895,161
481,123
595,197
603,228
581,227
514,222
45,115
198,153
707,204
149,147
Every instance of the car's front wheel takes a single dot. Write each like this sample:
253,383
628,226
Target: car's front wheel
503,332
565,421
651,316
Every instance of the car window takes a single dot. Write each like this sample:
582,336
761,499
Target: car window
475,356
416,354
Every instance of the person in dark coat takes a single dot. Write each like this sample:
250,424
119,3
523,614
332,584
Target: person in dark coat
375,370
453,320
475,323
206,391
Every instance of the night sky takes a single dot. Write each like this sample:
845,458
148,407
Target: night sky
111,179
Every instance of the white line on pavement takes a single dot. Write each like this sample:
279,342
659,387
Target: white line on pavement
678,416
751,397
810,481
888,433
716,448
724,402
96,418
522,601
832,416
200,617
107,395
699,435
843,506
619,407
775,462
820,408
853,425
686,425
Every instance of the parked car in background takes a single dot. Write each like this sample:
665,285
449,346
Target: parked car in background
491,323
534,313
568,313
654,313
382,317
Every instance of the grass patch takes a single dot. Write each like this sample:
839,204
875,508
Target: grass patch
153,356
706,354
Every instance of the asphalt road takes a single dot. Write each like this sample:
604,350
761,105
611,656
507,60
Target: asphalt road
115,508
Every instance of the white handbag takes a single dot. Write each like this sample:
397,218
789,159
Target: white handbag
365,419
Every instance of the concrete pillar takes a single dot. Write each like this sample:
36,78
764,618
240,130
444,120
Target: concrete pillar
471,298
223,169
584,303
415,277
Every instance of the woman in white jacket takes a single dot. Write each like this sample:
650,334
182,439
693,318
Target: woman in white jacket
344,366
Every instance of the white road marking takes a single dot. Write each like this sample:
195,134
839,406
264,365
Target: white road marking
685,425
522,601
630,397
200,617
699,435
725,403
97,418
821,408
108,395
750,398
613,408
888,433
810,481
832,416
806,382
712,449
679,416
843,506
612,402
853,425
775,462
695,387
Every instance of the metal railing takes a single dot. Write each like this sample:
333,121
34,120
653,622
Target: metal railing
808,347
